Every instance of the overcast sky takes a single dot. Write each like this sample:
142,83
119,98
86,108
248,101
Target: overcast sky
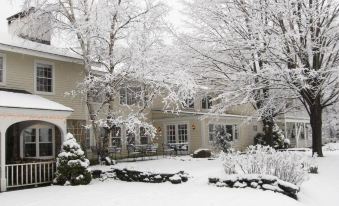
10,7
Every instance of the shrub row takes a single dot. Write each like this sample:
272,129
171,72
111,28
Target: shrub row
139,176
264,182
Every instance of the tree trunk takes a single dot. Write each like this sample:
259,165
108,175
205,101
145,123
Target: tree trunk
268,130
316,124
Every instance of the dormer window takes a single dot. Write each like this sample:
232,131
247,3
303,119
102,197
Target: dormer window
189,103
2,69
44,78
206,102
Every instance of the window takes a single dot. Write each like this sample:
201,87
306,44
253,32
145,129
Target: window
206,102
38,142
2,69
182,133
130,137
189,103
30,142
177,133
130,95
143,136
170,133
116,137
44,78
214,129
79,131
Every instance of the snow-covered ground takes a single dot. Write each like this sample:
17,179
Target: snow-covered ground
320,189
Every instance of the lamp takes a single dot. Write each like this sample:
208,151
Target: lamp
159,129
193,126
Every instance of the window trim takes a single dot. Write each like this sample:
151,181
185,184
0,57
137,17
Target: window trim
37,142
36,62
126,90
4,68
208,103
176,128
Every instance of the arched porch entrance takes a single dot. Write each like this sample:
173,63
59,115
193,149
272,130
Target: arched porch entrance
30,138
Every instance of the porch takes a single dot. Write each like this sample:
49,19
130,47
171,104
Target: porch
31,132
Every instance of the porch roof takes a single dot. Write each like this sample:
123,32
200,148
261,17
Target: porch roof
29,101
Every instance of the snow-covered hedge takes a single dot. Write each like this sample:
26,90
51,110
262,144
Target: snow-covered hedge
256,181
72,164
288,166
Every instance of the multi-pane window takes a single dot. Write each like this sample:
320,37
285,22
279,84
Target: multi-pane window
189,103
116,137
79,131
44,77
45,142
2,69
182,133
130,95
171,134
29,136
219,129
206,102
38,142
143,136
177,133
130,137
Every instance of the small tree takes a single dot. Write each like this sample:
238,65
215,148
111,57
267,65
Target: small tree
72,164
222,141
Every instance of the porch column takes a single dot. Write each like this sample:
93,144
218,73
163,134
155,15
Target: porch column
3,182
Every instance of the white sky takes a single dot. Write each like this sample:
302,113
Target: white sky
10,7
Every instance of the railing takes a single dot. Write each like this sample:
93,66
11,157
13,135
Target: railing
19,175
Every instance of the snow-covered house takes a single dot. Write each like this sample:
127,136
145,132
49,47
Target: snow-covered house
34,113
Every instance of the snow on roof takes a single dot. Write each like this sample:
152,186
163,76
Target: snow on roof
13,42
29,101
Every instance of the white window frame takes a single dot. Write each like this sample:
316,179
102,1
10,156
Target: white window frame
113,137
138,100
207,102
3,81
37,142
36,62
176,129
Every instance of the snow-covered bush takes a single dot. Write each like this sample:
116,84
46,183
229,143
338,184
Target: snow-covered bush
72,164
264,160
222,142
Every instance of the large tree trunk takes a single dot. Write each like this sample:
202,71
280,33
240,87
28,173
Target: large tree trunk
268,130
316,124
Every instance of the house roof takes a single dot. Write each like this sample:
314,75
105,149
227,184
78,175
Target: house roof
16,44
11,99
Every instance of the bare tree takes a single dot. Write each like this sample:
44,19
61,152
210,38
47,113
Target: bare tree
124,40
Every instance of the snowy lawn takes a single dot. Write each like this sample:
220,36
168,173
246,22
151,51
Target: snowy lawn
321,189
